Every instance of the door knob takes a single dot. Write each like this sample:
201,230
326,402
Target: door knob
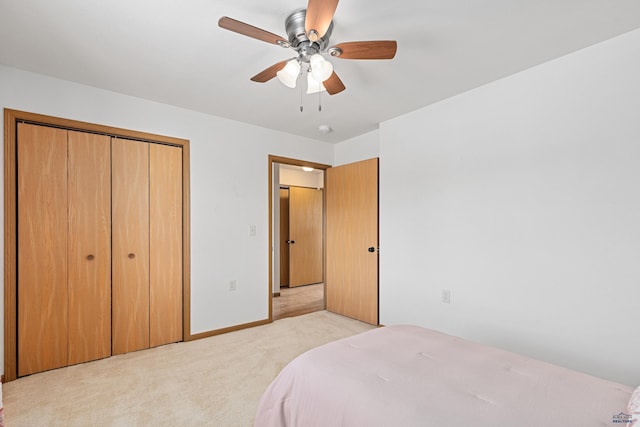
132,256
371,249
291,241
90,257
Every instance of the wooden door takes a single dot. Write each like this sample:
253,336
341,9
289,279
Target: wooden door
305,235
89,283
42,248
352,240
284,237
165,244
130,245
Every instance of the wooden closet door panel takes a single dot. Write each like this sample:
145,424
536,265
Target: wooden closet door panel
305,229
165,216
42,248
89,186
130,245
284,237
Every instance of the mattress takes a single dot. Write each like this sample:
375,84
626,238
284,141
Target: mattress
411,376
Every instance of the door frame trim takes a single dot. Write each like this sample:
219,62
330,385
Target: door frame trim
11,119
293,162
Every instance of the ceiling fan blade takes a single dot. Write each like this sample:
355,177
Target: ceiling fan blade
269,73
251,31
319,16
379,49
333,84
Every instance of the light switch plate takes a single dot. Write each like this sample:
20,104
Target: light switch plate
446,296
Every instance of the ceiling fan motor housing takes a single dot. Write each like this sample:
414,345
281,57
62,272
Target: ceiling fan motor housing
298,39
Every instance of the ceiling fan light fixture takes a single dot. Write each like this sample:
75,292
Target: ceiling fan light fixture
313,85
308,33
289,74
321,69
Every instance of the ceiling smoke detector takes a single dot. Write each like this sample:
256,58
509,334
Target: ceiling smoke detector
324,129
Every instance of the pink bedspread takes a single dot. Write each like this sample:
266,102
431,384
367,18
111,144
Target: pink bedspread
1,408
411,376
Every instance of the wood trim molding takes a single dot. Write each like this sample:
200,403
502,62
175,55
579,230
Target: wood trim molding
287,161
229,329
23,116
10,248
296,162
11,118
186,243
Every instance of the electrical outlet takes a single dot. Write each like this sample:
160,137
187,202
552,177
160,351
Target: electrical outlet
446,296
232,285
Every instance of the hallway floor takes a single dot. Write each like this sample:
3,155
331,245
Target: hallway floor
299,300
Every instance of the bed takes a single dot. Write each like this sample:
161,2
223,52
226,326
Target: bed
412,376
1,408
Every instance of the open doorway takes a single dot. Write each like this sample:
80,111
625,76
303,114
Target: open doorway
296,238
350,230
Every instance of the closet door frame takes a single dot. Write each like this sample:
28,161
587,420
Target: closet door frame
11,119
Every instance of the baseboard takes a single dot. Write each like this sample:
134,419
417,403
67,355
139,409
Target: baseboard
276,294
225,330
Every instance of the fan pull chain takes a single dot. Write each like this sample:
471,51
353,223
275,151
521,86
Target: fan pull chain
320,100
301,107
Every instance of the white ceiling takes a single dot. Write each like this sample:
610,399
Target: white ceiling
173,52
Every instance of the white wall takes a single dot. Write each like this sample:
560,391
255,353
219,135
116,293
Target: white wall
522,198
229,186
362,147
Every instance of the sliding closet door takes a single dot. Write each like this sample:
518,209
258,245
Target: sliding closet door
165,245
130,245
89,189
42,248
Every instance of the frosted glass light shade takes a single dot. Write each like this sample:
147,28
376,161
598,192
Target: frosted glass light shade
320,67
289,74
313,85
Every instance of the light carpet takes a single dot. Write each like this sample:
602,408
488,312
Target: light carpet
214,381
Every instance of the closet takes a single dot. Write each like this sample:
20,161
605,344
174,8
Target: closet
99,246
301,244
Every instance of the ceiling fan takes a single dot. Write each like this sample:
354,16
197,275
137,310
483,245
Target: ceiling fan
308,33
